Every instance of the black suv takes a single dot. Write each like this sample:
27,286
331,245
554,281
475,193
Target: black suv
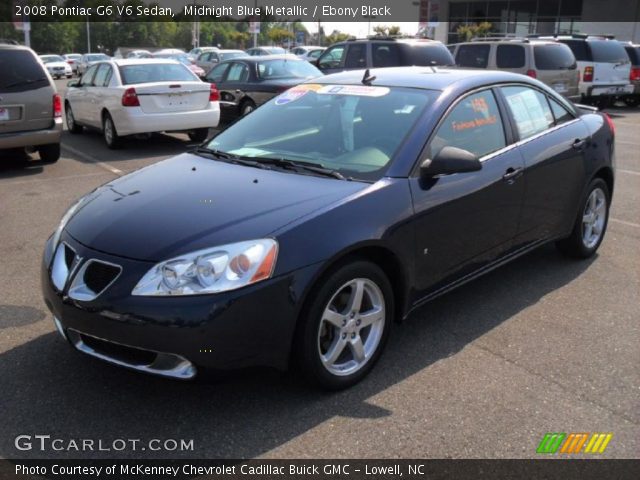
378,52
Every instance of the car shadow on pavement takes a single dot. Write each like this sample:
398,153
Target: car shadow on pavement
18,163
49,389
132,148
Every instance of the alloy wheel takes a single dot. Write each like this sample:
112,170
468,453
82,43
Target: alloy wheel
594,218
351,327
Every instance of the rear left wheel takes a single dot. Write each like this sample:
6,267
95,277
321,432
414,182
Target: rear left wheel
591,224
109,132
49,153
346,326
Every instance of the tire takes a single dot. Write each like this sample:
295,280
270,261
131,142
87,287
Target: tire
354,344
49,153
199,135
632,101
247,107
72,126
109,132
591,222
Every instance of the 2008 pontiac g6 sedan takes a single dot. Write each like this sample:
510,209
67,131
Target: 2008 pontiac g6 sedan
302,232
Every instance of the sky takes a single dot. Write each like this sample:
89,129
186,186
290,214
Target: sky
360,29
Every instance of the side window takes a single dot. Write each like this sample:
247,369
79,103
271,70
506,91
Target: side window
474,56
217,73
356,56
530,110
474,124
510,56
332,57
87,78
385,55
238,72
104,70
560,114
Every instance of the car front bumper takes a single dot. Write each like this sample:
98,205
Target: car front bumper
132,120
32,138
173,336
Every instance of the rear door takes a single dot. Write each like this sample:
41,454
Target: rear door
96,94
78,97
26,95
552,142
556,66
234,86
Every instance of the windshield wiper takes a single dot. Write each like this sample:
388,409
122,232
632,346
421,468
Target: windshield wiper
227,157
299,165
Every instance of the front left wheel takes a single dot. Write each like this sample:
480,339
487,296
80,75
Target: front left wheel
345,328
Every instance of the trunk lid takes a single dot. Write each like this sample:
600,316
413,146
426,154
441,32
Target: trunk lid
166,97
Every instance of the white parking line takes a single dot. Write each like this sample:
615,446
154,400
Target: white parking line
630,224
92,159
636,144
630,172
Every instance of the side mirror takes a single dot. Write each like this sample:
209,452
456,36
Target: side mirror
73,83
449,160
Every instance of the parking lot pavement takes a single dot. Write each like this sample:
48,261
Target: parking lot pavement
544,344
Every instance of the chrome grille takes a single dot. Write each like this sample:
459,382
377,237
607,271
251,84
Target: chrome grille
93,278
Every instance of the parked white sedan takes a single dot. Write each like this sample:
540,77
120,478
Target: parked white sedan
139,96
57,66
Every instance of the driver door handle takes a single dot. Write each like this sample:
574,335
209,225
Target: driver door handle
579,143
512,173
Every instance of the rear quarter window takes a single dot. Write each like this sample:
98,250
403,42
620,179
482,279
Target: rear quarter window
554,57
20,72
608,51
579,48
510,56
474,56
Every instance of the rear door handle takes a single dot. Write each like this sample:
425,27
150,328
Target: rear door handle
512,173
579,143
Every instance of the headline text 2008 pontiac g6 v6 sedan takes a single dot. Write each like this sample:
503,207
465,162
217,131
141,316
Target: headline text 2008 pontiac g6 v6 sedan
302,232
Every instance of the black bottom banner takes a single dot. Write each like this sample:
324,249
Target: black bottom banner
566,469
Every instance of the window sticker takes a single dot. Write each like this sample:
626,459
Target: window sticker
297,92
358,90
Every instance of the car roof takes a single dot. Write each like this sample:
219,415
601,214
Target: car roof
121,62
428,78
10,46
281,56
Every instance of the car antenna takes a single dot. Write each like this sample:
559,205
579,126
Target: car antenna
367,78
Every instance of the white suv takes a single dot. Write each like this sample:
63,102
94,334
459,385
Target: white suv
604,67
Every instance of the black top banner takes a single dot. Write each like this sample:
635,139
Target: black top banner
221,10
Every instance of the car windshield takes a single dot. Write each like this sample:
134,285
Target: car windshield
352,129
155,72
20,72
73,56
554,57
97,58
287,68
182,58
52,58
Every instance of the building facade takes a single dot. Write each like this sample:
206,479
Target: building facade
522,17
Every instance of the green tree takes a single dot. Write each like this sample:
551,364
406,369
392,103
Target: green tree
467,32
337,36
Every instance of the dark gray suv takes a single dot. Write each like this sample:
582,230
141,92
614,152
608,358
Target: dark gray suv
30,108
380,52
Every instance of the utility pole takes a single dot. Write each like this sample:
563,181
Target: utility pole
88,37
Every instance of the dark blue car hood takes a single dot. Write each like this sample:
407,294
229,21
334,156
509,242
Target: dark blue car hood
188,203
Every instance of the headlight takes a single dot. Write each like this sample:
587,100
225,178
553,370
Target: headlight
64,220
212,270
